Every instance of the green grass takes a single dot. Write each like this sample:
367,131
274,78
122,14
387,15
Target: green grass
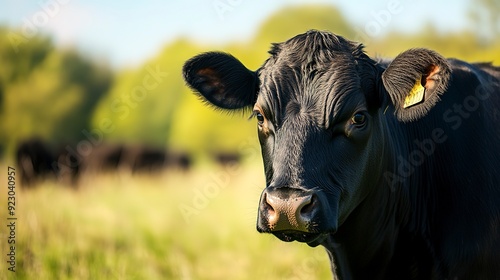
118,226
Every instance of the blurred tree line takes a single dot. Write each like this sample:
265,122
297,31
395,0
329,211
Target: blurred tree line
62,96
46,92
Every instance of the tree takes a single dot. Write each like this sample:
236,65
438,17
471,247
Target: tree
294,20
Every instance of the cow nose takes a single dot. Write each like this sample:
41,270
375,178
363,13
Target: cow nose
288,209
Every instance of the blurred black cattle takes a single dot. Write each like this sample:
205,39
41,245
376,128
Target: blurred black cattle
178,160
142,159
149,159
227,158
37,162
34,161
103,158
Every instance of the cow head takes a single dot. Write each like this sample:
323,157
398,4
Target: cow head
319,102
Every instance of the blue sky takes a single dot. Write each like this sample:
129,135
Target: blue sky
128,32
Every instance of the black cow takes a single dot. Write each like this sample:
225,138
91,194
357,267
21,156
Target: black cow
103,158
393,166
178,160
227,158
34,160
145,159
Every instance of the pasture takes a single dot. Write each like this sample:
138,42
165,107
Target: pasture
120,226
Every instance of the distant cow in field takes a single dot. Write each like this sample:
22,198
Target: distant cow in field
147,159
393,166
104,158
144,159
34,160
227,158
179,160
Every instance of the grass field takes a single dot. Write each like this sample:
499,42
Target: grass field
197,225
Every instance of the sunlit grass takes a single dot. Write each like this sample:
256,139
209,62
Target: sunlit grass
118,226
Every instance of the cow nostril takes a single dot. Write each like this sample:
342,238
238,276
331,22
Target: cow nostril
308,206
268,204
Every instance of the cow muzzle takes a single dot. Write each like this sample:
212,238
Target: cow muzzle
294,214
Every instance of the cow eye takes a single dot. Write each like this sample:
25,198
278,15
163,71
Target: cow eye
358,119
259,116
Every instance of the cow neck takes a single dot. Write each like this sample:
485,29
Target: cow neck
364,247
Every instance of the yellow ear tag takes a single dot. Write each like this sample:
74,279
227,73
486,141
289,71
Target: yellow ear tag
416,95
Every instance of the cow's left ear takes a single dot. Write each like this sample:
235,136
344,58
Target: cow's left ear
222,80
414,80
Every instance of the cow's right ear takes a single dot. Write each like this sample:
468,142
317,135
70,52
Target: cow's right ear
414,81
222,80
